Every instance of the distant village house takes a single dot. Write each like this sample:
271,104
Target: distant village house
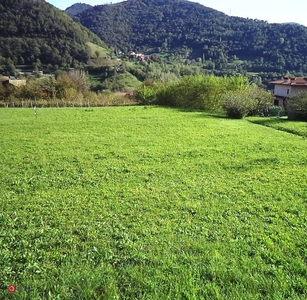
142,57
287,88
6,80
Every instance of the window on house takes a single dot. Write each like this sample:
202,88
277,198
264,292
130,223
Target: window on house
288,91
276,102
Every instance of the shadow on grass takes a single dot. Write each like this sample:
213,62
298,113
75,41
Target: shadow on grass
206,115
201,113
278,124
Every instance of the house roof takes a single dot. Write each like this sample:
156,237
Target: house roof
299,81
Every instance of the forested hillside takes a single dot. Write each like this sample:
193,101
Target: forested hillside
192,30
35,32
77,8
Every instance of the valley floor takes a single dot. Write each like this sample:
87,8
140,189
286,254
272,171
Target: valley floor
150,203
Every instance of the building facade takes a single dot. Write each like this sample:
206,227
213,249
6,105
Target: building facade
287,88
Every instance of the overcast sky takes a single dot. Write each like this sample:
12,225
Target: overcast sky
270,10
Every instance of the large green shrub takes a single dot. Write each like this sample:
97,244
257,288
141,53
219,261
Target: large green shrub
238,104
147,94
249,100
196,92
206,92
262,100
297,107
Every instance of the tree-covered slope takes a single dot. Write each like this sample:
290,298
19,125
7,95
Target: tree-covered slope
167,25
35,31
77,8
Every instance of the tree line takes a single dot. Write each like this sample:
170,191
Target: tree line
65,89
235,95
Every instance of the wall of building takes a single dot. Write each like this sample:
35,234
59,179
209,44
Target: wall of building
287,91
282,90
298,89
17,82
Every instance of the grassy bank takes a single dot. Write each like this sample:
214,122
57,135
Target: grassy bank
150,203
283,124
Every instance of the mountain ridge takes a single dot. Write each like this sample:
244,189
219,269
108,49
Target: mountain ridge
77,8
157,26
34,31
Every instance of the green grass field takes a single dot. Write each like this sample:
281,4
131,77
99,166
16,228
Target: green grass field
297,128
150,203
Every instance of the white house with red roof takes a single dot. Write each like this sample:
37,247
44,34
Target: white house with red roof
288,87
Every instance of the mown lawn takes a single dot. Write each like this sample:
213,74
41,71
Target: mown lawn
298,127
150,203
